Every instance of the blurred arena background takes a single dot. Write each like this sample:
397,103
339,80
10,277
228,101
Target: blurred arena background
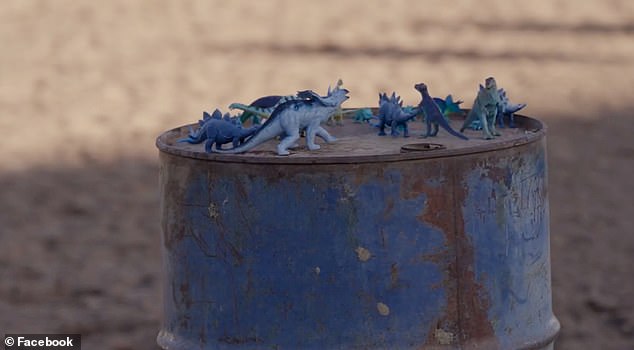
85,87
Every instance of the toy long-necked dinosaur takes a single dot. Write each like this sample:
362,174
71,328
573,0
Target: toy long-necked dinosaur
433,115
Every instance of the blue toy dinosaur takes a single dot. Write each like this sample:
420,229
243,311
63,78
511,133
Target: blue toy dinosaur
433,117
291,117
391,114
506,110
485,109
219,130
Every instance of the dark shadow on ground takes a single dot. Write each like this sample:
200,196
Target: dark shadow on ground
80,253
593,28
80,246
427,54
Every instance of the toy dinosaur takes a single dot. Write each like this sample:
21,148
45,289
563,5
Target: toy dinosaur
219,130
410,109
337,117
485,109
506,110
448,106
391,114
433,117
260,108
363,115
291,117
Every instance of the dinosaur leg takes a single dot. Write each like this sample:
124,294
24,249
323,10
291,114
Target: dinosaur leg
286,143
339,117
381,128
405,130
294,145
512,120
485,125
468,120
493,130
321,132
314,130
435,129
500,120
394,131
209,144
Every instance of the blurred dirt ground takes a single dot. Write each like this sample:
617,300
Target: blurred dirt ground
85,87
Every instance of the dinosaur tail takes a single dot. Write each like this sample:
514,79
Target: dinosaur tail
194,136
468,120
515,108
263,134
445,125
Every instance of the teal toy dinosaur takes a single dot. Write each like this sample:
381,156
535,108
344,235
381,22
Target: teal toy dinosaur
363,115
506,112
448,106
485,109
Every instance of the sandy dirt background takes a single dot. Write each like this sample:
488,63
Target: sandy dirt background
85,87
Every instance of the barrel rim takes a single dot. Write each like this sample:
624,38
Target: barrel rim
535,131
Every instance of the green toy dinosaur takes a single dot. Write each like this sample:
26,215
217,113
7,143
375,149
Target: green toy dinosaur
337,117
485,109
263,107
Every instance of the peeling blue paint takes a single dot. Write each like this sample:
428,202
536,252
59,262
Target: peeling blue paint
512,254
376,256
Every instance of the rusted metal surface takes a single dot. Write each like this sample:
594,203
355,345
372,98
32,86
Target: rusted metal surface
358,248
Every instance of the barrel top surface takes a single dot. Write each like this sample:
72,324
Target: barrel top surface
359,143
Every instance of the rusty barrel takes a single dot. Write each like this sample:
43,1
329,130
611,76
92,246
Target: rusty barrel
368,243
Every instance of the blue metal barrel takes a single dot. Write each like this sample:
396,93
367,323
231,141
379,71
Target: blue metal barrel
369,243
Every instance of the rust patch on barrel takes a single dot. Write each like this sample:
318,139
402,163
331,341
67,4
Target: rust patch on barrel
465,315
171,174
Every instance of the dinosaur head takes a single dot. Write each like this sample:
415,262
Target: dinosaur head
335,97
490,84
421,87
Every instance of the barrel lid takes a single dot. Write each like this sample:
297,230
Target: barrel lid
359,143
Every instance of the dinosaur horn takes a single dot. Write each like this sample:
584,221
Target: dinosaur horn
329,92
